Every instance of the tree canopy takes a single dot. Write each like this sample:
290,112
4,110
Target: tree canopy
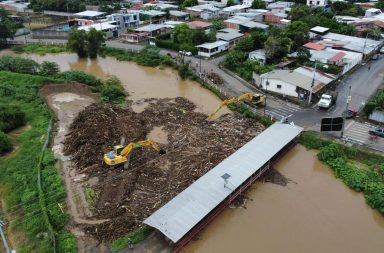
58,5
258,4
7,27
86,43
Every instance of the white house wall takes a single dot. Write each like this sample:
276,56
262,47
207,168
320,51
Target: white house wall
286,88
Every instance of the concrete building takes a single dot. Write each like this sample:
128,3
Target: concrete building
275,18
232,36
153,29
254,15
316,3
155,17
94,15
200,25
372,12
125,20
204,11
179,15
235,22
351,43
135,37
233,10
251,26
213,48
280,7
109,29
295,83
258,55
13,5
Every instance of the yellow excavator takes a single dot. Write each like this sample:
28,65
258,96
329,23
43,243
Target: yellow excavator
253,99
120,154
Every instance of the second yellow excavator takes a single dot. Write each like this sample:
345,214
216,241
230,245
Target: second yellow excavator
120,154
253,99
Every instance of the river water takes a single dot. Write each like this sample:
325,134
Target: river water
141,82
314,213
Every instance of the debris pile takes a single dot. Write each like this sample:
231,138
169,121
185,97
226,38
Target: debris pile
195,145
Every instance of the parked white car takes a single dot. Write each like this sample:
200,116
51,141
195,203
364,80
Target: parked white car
185,53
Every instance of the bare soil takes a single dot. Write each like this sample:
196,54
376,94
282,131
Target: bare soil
124,198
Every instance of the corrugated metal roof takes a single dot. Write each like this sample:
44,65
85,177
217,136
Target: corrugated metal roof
212,45
176,218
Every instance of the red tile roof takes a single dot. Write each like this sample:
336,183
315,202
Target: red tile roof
338,56
314,46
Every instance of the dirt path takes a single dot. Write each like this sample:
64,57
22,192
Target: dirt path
67,100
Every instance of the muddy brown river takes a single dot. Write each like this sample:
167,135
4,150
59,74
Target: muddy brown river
141,82
314,213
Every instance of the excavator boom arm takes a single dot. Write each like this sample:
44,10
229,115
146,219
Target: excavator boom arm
134,145
248,96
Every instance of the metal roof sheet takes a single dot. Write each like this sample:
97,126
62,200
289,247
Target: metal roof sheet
212,45
176,218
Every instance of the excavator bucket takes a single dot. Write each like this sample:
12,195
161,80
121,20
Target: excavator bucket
162,152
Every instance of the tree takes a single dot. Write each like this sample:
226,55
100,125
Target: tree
245,45
95,41
277,47
11,117
380,4
5,143
230,3
77,42
234,58
189,3
259,37
48,68
298,11
7,27
303,54
217,24
298,33
258,4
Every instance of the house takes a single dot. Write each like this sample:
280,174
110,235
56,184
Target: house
178,15
258,55
232,10
274,18
204,11
171,24
14,6
109,29
93,15
251,26
297,83
253,14
232,36
197,24
213,48
235,22
280,7
317,3
153,29
154,16
327,55
351,43
139,37
124,20
372,12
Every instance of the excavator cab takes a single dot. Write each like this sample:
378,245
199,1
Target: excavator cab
118,149
258,99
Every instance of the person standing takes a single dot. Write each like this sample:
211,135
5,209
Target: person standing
130,244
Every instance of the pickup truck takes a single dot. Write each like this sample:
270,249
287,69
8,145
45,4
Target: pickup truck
327,100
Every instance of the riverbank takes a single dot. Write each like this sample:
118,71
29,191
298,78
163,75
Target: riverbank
360,170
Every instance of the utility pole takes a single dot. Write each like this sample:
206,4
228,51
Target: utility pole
7,249
346,110
312,84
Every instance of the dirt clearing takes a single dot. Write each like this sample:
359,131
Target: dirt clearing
193,146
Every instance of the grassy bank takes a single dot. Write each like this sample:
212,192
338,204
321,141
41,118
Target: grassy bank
360,170
136,236
18,173
40,49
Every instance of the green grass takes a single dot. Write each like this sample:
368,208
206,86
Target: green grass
90,196
360,170
136,236
40,49
18,173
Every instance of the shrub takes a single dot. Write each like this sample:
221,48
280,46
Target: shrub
169,44
18,65
330,152
66,242
136,236
375,196
81,77
5,143
49,68
112,93
312,140
149,56
11,117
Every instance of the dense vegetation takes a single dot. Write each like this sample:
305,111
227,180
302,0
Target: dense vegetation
375,103
86,43
18,173
136,236
7,27
40,49
5,143
185,38
54,5
359,170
